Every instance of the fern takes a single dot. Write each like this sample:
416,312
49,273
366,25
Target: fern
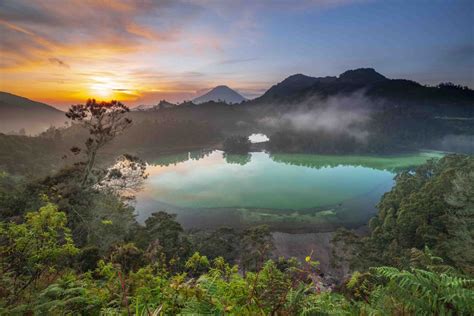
426,292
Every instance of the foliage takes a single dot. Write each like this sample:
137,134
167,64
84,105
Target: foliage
197,264
256,247
33,251
68,295
16,155
222,242
96,217
104,121
422,292
237,145
431,207
125,177
128,280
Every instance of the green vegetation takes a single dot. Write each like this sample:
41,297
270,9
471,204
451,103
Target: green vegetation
53,263
70,245
431,207
30,156
39,262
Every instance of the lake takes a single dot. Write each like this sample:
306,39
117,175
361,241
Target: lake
289,192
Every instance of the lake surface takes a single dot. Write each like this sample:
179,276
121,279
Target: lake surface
289,192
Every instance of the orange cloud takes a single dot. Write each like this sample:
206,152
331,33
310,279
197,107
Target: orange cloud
139,52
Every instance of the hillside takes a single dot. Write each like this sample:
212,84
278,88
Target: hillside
443,100
293,85
18,113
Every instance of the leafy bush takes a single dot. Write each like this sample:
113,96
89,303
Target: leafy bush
33,251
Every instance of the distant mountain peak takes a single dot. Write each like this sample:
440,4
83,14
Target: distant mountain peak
294,84
362,76
299,77
222,86
220,93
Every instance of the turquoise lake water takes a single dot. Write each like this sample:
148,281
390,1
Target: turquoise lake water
290,192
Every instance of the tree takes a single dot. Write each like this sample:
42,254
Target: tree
430,207
33,250
256,247
127,256
222,242
460,222
104,121
125,177
164,235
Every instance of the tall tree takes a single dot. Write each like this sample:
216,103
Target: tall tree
104,121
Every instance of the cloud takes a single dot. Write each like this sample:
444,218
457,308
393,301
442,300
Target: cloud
58,62
45,26
34,30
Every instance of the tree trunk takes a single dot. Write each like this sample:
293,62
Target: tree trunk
90,165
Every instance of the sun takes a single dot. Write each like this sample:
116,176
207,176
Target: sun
108,88
102,87
102,91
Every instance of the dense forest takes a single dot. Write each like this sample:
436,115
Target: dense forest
70,243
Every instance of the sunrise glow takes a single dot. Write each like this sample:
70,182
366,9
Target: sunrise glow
64,52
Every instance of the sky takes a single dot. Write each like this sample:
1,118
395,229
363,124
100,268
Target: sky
63,52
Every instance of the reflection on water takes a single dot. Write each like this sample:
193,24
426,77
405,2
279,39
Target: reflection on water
258,138
289,192
390,163
173,159
237,159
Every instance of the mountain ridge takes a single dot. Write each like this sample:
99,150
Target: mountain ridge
18,112
299,87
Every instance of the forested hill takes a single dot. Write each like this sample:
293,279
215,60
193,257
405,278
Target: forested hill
444,99
33,117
